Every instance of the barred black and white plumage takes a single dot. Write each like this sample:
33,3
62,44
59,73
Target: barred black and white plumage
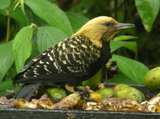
68,61
73,60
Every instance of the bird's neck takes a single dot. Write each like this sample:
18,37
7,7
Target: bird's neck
97,43
94,40
93,36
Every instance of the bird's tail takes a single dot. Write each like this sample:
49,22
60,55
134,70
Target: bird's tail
27,91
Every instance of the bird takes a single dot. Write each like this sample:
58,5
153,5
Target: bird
73,60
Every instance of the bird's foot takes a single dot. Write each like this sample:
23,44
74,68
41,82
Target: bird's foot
84,93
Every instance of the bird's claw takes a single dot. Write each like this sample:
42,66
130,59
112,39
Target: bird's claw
85,94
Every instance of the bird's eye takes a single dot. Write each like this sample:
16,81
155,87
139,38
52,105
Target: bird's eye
108,24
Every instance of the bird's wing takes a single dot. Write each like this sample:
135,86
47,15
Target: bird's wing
78,56
69,59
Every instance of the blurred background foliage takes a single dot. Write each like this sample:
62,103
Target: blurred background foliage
123,11
32,19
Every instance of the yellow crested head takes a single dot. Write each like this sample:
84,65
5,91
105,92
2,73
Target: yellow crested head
101,29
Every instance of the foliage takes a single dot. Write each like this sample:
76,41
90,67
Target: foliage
148,11
22,46
132,69
35,25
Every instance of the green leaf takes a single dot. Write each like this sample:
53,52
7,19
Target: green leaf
114,45
148,10
48,36
121,78
124,37
4,3
131,68
76,20
21,3
32,18
6,58
51,14
9,94
132,45
22,46
5,85
18,15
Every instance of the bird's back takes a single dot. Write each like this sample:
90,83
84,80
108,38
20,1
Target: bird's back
71,61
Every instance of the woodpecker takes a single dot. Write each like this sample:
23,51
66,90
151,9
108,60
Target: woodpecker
73,60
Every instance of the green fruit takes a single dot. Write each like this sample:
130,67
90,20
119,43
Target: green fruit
125,91
106,92
158,94
93,81
56,93
152,79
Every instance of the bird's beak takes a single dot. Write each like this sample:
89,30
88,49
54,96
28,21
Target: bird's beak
121,26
